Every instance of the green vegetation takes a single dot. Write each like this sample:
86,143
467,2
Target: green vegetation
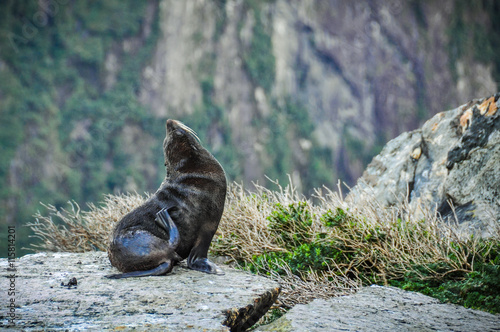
209,118
57,111
288,125
479,289
308,250
259,58
475,38
221,21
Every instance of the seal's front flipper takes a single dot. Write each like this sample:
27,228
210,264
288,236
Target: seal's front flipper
164,221
161,269
202,264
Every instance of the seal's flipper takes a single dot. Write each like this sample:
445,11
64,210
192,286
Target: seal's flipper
201,263
161,269
164,221
204,265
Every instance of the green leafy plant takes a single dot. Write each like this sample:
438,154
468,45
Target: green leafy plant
477,289
292,224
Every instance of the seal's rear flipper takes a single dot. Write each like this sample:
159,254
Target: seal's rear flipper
161,269
164,221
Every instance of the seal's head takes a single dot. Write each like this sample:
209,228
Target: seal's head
181,145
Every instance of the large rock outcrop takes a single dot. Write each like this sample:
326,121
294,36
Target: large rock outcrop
451,164
378,308
183,300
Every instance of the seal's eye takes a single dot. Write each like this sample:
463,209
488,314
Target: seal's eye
178,133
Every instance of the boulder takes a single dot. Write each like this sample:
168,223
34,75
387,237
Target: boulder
451,165
379,308
68,292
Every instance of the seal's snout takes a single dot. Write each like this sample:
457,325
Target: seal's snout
170,123
181,129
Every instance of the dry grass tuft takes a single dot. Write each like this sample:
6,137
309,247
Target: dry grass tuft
244,234
73,230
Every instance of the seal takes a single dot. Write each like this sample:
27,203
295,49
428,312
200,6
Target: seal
180,219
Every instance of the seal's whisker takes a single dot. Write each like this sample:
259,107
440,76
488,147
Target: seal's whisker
189,130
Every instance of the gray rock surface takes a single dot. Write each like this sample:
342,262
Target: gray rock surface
378,308
451,164
194,301
183,300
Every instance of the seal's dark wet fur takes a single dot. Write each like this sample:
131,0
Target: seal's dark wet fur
180,219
